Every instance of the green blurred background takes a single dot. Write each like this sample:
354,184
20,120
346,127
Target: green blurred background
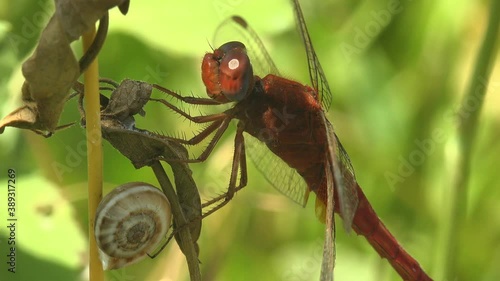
397,78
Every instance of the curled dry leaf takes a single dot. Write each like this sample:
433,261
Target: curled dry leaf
142,147
53,69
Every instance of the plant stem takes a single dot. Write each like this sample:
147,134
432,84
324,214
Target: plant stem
180,220
94,155
468,116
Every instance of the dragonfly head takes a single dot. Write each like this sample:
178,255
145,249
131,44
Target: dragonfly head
227,72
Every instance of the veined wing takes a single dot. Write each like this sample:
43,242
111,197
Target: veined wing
285,179
235,28
281,176
346,185
329,249
316,74
340,178
345,181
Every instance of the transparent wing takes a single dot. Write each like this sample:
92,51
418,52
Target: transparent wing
340,178
328,263
285,179
236,28
318,79
345,180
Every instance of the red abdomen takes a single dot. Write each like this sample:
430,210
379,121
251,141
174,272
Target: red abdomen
287,117
367,223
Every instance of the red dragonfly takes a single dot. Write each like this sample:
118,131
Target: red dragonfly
289,119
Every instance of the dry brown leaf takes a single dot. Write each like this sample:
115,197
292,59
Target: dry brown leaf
142,147
53,69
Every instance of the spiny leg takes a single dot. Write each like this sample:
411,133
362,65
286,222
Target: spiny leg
189,100
220,123
195,119
201,135
239,163
226,196
221,127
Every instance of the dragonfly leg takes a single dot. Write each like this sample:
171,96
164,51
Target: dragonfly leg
201,135
196,119
189,100
220,126
220,122
239,163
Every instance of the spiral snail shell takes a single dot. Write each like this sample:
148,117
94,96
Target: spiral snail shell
130,222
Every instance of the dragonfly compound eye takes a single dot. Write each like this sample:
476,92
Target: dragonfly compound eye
227,72
235,75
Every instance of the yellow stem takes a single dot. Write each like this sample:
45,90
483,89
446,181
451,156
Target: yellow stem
94,154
